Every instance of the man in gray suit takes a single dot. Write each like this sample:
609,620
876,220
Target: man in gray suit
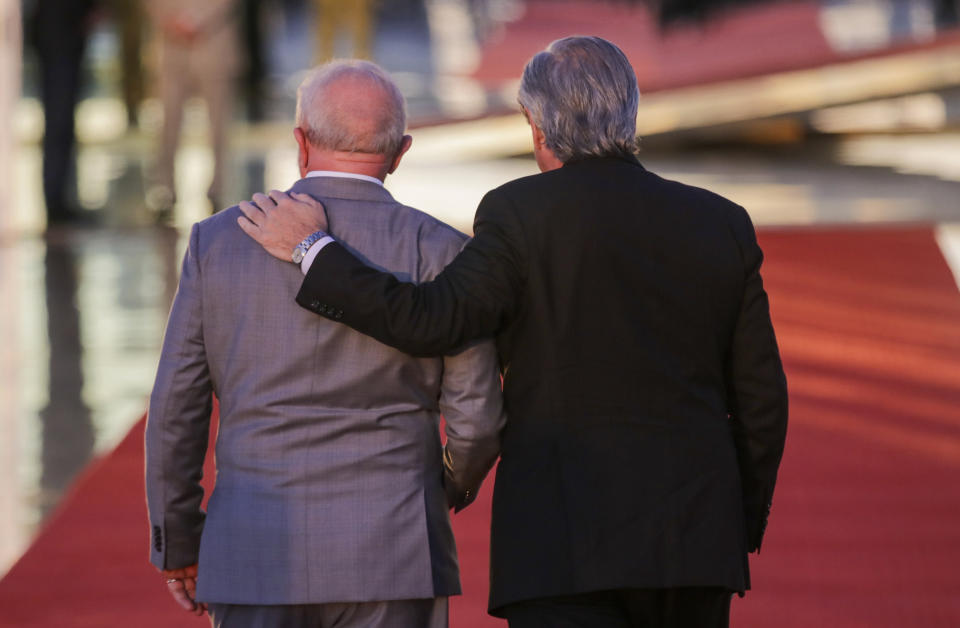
332,490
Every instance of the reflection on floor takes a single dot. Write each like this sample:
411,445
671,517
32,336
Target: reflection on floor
82,320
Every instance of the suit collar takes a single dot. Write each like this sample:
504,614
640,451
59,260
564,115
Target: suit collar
336,174
345,188
607,159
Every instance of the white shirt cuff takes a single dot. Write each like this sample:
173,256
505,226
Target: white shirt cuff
312,253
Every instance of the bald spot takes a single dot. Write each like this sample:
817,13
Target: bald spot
359,105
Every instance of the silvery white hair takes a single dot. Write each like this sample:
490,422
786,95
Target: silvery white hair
582,93
332,128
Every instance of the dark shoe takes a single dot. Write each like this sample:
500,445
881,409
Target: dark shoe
160,200
72,217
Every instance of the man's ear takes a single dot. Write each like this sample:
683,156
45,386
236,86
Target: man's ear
546,159
539,138
303,154
404,147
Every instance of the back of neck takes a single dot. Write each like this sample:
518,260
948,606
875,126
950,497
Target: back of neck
369,164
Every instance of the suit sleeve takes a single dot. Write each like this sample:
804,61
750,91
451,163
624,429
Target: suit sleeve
472,406
178,424
469,299
758,390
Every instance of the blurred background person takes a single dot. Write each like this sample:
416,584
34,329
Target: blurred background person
946,13
333,17
128,18
60,31
255,67
9,89
198,52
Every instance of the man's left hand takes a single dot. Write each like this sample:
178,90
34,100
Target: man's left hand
280,221
182,585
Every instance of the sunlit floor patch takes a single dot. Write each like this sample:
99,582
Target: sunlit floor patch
948,237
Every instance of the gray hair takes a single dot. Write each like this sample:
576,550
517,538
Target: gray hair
336,124
582,93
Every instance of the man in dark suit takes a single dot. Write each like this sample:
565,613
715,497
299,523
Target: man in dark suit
646,401
61,28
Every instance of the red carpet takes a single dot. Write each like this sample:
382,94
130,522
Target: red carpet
865,527
753,41
865,530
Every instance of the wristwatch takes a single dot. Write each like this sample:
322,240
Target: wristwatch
301,249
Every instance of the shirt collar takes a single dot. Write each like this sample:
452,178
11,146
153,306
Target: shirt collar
343,175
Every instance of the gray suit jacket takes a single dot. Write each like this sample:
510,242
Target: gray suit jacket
330,475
